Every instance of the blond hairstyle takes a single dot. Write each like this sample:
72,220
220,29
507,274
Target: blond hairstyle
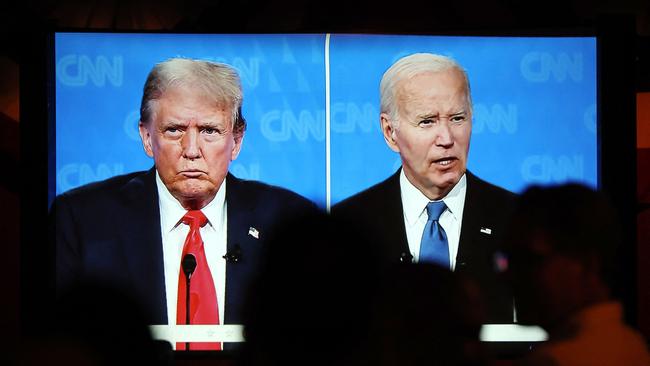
219,82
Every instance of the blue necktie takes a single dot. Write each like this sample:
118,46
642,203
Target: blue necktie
434,247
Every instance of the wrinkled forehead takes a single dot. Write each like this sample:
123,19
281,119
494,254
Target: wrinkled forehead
448,87
451,77
184,97
197,93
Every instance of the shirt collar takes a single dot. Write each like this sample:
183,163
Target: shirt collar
171,211
415,202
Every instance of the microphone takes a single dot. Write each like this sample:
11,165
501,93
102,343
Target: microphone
234,255
189,265
405,257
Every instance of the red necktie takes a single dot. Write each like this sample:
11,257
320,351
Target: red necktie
203,296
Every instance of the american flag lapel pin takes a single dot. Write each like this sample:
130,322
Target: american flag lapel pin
486,230
253,232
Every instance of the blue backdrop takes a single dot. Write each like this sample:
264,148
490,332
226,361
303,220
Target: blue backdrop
534,106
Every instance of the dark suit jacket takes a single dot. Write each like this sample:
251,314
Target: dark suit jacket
110,231
378,210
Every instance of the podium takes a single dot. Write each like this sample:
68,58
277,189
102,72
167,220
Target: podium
198,333
234,333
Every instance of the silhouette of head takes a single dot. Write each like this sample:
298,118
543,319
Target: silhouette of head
562,245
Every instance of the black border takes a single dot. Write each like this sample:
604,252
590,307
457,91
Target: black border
616,47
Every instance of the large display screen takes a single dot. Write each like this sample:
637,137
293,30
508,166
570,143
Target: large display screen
312,106
311,102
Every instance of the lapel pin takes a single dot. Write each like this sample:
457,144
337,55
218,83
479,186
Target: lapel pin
486,230
253,232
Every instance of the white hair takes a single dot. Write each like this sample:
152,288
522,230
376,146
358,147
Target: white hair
406,68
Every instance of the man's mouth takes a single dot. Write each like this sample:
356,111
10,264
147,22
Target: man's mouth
192,173
444,162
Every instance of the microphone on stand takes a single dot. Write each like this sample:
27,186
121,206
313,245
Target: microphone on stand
406,257
234,255
189,265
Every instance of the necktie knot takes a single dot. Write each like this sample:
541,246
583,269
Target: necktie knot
435,209
195,218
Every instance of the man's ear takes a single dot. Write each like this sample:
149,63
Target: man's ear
145,136
239,139
389,131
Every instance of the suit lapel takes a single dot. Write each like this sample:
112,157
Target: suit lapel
472,240
242,243
390,221
142,243
484,220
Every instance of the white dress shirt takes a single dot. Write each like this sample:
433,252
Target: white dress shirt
414,204
174,232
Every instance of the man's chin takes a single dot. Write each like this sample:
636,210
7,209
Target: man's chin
195,195
447,180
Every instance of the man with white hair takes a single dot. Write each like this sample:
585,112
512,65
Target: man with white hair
432,209
185,223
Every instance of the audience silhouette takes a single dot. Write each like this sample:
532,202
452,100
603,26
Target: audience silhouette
325,298
95,323
563,247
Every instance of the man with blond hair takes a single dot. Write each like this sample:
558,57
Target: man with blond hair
185,223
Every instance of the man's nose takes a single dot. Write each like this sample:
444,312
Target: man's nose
444,137
191,147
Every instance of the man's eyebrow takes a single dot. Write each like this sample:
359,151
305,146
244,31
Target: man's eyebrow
172,120
211,123
462,111
434,115
172,123
179,123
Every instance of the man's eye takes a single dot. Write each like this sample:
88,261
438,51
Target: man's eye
210,130
171,130
457,119
426,122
